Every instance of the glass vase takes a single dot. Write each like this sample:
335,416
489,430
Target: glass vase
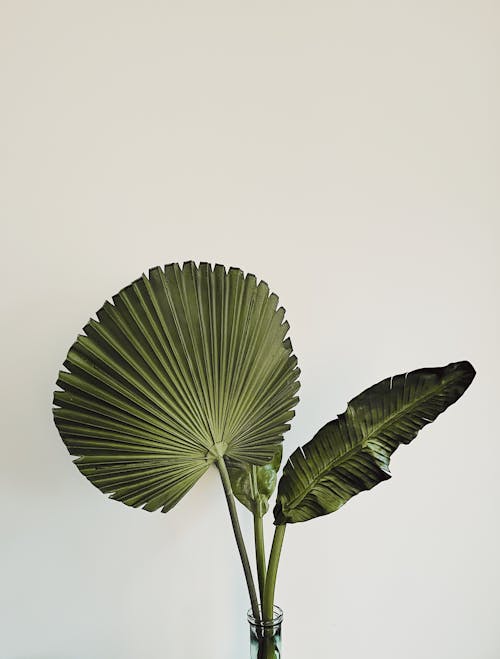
265,636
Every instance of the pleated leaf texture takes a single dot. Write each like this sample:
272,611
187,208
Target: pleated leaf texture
351,453
185,366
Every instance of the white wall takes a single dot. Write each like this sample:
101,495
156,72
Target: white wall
345,152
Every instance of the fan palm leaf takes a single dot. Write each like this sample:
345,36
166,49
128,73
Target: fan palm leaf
185,366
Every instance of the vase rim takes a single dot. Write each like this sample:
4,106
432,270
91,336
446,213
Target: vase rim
277,617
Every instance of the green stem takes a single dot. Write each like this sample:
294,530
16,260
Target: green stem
239,536
272,569
260,553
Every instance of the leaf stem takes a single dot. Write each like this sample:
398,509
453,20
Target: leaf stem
260,553
272,569
221,465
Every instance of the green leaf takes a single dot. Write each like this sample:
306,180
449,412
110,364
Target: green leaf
352,453
253,485
184,366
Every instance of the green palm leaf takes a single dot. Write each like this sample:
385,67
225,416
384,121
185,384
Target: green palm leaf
186,365
352,453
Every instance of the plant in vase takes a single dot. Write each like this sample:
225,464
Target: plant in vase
190,367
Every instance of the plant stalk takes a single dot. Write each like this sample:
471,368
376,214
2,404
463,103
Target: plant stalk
272,569
238,536
260,553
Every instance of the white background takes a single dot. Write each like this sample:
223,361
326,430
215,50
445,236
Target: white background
345,152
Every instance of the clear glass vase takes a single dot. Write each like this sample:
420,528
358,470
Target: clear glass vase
265,636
